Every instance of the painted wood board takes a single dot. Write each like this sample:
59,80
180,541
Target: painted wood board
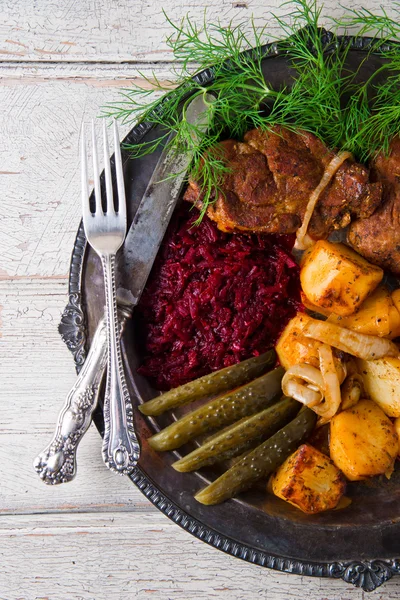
121,556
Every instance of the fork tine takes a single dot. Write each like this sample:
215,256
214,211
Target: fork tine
84,179
96,174
120,175
107,172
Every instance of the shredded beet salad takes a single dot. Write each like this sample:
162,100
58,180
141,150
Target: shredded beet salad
213,299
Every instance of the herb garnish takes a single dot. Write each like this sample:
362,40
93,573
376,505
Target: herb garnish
313,101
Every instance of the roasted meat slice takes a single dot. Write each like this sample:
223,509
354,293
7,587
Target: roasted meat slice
272,174
377,238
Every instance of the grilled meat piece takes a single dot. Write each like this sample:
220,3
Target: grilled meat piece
377,238
272,174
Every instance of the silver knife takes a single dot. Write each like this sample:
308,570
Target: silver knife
57,462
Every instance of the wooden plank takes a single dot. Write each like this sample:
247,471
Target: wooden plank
120,556
39,128
107,75
118,31
112,32
36,374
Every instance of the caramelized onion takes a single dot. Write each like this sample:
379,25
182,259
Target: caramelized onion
332,400
304,383
352,391
303,241
368,347
302,393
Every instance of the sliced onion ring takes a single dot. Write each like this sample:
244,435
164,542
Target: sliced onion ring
352,390
303,241
368,347
301,393
331,404
304,383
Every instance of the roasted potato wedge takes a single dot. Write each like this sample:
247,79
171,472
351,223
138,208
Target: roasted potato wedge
363,441
309,480
377,315
382,383
326,312
397,429
293,347
336,278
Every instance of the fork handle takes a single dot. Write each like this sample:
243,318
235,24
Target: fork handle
57,462
121,448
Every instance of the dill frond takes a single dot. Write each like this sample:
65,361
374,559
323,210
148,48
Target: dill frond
244,99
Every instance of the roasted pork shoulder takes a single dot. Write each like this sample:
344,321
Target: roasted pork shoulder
270,179
377,238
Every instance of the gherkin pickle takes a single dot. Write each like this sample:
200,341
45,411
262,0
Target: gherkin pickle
209,385
245,400
240,437
261,462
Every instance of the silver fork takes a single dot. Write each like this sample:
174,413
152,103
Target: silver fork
106,232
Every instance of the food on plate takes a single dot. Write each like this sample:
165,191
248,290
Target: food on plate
363,441
381,379
239,438
221,411
322,363
229,289
368,347
377,315
213,383
309,480
213,300
271,176
261,462
336,278
377,237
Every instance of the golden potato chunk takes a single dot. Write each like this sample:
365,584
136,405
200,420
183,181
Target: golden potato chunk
377,315
294,348
397,429
382,382
363,441
309,480
335,277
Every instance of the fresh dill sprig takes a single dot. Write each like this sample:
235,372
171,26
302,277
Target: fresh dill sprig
372,115
363,22
238,87
314,101
243,97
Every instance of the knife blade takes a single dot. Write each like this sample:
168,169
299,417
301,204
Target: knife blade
154,212
57,463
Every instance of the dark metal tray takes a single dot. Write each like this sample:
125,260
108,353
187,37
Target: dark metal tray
360,543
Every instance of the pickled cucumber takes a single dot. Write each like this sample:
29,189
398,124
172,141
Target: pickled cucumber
240,437
209,385
261,462
245,400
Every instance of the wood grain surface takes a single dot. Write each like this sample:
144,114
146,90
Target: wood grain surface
97,537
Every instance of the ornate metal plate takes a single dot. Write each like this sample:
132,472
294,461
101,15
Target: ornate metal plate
359,544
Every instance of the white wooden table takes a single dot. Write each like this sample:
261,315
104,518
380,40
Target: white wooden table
97,537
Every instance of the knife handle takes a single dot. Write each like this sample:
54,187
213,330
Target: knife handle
57,462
